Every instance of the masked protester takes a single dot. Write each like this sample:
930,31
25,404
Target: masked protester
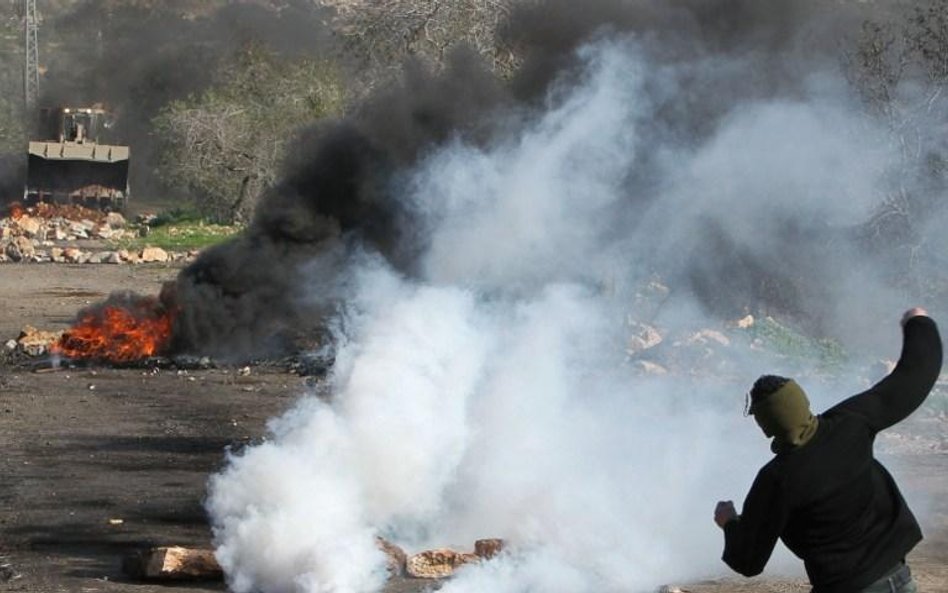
824,494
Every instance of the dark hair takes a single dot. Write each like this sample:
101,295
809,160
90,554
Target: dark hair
766,385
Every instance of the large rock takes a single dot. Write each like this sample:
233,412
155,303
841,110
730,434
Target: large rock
29,225
488,548
59,233
103,232
78,229
115,220
438,564
174,564
72,255
153,254
644,337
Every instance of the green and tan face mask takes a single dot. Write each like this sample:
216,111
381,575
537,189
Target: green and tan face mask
785,415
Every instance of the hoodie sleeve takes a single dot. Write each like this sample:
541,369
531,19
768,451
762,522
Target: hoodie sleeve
906,387
750,539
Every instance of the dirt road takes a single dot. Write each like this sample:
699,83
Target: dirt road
99,462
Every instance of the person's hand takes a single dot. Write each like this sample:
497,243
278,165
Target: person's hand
724,513
913,312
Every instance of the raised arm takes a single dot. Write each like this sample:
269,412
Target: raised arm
906,387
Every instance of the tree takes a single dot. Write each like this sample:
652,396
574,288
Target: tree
226,144
900,70
383,33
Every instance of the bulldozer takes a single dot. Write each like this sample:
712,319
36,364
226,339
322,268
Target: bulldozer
69,165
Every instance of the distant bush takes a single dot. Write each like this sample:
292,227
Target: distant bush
787,341
899,68
180,233
227,144
175,216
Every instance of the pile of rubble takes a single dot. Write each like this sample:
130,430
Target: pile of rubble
50,233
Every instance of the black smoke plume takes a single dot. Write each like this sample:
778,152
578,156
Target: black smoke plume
244,298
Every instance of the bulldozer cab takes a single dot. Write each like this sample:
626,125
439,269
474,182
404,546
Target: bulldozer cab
70,163
79,127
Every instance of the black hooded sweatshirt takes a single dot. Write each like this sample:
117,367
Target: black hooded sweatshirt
830,501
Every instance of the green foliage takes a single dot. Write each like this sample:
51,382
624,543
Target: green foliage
175,216
183,234
226,145
787,341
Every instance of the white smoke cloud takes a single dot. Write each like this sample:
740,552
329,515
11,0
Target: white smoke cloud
529,210
491,398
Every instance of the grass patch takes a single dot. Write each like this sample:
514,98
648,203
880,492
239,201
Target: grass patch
181,235
786,341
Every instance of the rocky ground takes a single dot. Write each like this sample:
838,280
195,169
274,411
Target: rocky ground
99,462
75,235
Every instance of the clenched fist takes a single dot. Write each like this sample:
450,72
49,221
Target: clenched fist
724,513
913,312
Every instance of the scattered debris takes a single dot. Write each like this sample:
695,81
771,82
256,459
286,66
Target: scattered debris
37,234
644,337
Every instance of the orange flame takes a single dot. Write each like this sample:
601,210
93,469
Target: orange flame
16,210
119,332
